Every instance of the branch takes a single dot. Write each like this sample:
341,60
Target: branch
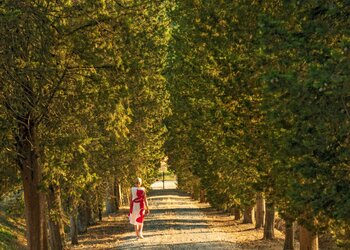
54,91
107,66
15,114
142,3
89,24
345,107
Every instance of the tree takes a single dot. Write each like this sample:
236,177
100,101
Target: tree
304,44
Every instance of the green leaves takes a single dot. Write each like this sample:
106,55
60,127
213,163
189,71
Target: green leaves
245,97
308,80
260,100
90,75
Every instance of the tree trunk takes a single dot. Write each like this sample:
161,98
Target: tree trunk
260,211
99,211
89,213
127,198
269,228
308,239
45,230
289,238
120,195
110,202
117,194
202,196
56,228
109,206
237,214
82,221
74,228
248,215
31,173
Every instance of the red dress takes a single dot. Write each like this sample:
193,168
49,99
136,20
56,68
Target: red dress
137,206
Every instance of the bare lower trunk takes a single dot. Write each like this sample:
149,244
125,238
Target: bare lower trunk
111,201
74,229
34,199
99,208
83,220
127,198
110,209
117,194
89,213
248,215
120,195
55,218
269,228
308,239
260,211
202,196
237,214
289,238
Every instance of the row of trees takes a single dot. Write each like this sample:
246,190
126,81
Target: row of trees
260,99
257,91
82,103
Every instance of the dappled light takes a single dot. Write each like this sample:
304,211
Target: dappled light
231,116
176,222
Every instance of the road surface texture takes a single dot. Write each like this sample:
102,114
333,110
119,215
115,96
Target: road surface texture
176,222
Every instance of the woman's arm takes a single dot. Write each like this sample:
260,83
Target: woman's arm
146,202
130,198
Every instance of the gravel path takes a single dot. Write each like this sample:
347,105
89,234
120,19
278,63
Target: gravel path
176,222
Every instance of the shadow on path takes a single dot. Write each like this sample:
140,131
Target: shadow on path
167,205
175,222
105,234
209,245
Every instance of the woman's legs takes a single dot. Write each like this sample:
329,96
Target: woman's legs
140,231
136,230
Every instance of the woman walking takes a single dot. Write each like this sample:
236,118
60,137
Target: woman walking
138,207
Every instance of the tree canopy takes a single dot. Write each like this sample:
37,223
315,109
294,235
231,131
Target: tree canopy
244,98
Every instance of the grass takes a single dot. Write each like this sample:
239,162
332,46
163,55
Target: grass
11,233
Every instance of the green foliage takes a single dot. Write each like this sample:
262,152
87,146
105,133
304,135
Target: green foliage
244,97
309,111
215,117
11,231
260,100
88,75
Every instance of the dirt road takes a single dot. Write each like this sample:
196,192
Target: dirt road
176,222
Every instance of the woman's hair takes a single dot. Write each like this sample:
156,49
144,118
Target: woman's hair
138,180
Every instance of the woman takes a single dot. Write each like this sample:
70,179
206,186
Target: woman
138,202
